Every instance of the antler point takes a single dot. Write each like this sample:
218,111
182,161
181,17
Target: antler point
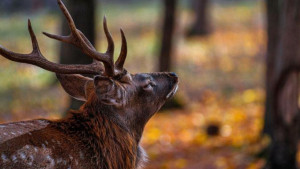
122,32
104,20
46,34
29,26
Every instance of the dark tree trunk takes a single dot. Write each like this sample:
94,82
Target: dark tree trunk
201,25
83,13
165,61
273,25
165,56
282,99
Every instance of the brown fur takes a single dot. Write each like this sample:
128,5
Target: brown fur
92,132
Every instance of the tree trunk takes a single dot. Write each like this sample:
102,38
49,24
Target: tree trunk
165,61
83,13
283,93
285,136
165,57
201,25
273,24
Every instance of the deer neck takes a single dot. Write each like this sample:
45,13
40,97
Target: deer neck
105,135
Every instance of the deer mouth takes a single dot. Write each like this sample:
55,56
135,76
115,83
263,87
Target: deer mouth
173,91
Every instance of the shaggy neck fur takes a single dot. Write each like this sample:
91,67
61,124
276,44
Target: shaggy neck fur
106,139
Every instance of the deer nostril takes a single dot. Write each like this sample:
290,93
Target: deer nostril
173,74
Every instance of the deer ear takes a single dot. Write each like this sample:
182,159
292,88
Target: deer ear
77,86
107,91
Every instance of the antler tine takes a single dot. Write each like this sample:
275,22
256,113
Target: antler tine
67,39
35,44
78,39
36,58
109,55
123,54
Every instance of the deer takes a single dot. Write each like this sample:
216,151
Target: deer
106,131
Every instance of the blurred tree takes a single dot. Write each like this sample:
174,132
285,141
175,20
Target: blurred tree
83,13
36,4
16,6
167,35
201,24
283,64
273,24
165,57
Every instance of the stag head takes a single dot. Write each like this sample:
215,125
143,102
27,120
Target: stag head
131,98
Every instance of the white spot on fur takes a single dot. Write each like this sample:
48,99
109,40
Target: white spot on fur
13,158
46,142
51,160
43,145
13,133
31,158
2,126
23,156
4,157
35,149
29,133
5,133
42,122
71,158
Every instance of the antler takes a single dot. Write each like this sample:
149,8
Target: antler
123,54
78,39
36,58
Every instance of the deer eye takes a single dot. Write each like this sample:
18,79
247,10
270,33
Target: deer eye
149,86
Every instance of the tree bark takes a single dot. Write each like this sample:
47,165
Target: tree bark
165,61
273,25
283,88
83,13
201,25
